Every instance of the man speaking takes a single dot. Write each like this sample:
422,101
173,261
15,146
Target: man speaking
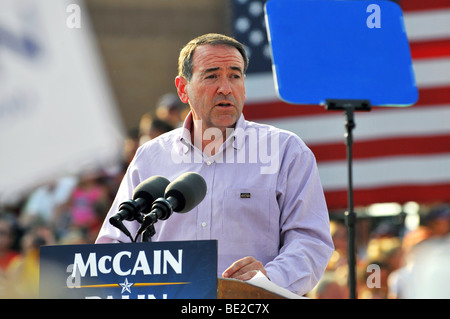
264,202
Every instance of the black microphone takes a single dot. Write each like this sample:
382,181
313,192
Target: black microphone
181,195
143,197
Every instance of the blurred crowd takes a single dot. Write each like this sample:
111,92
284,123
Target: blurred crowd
393,264
71,209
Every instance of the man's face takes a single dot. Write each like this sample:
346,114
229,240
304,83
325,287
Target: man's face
216,92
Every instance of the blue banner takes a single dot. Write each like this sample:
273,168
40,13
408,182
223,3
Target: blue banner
155,270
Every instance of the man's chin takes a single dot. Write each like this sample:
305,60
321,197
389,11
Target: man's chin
224,123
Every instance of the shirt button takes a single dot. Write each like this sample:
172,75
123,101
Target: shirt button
204,224
208,163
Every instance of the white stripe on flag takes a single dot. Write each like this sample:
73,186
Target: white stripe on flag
432,72
427,25
402,122
260,87
388,171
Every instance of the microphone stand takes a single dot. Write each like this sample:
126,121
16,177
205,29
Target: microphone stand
148,233
349,107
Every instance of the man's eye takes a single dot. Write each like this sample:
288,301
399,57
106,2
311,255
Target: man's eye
212,76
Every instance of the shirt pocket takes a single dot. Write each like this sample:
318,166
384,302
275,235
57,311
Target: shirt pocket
246,214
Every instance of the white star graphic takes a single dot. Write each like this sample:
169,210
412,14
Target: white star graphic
126,286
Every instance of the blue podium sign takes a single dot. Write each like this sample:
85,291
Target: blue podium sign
154,270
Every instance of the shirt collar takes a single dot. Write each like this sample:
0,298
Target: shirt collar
240,127
184,139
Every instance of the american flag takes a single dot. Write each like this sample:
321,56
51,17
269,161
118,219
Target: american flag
399,154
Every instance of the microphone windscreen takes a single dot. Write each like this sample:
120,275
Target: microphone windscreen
150,190
189,189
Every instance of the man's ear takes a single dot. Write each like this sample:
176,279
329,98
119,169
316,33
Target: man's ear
181,84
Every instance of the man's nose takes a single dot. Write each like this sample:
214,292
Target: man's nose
224,87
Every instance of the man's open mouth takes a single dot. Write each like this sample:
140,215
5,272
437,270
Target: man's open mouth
224,104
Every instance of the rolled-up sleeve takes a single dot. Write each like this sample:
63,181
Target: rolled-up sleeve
305,240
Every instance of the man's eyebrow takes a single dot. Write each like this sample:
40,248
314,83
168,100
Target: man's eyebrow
209,70
236,68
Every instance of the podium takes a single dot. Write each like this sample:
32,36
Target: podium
147,270
236,289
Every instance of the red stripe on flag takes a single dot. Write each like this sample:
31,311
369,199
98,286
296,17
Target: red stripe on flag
421,5
433,96
395,146
430,49
399,193
280,109
277,109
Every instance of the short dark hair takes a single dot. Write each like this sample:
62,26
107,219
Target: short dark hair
185,63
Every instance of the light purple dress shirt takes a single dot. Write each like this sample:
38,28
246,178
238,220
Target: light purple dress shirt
264,200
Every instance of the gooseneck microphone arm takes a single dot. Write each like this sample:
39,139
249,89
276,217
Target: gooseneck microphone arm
128,210
143,197
162,209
